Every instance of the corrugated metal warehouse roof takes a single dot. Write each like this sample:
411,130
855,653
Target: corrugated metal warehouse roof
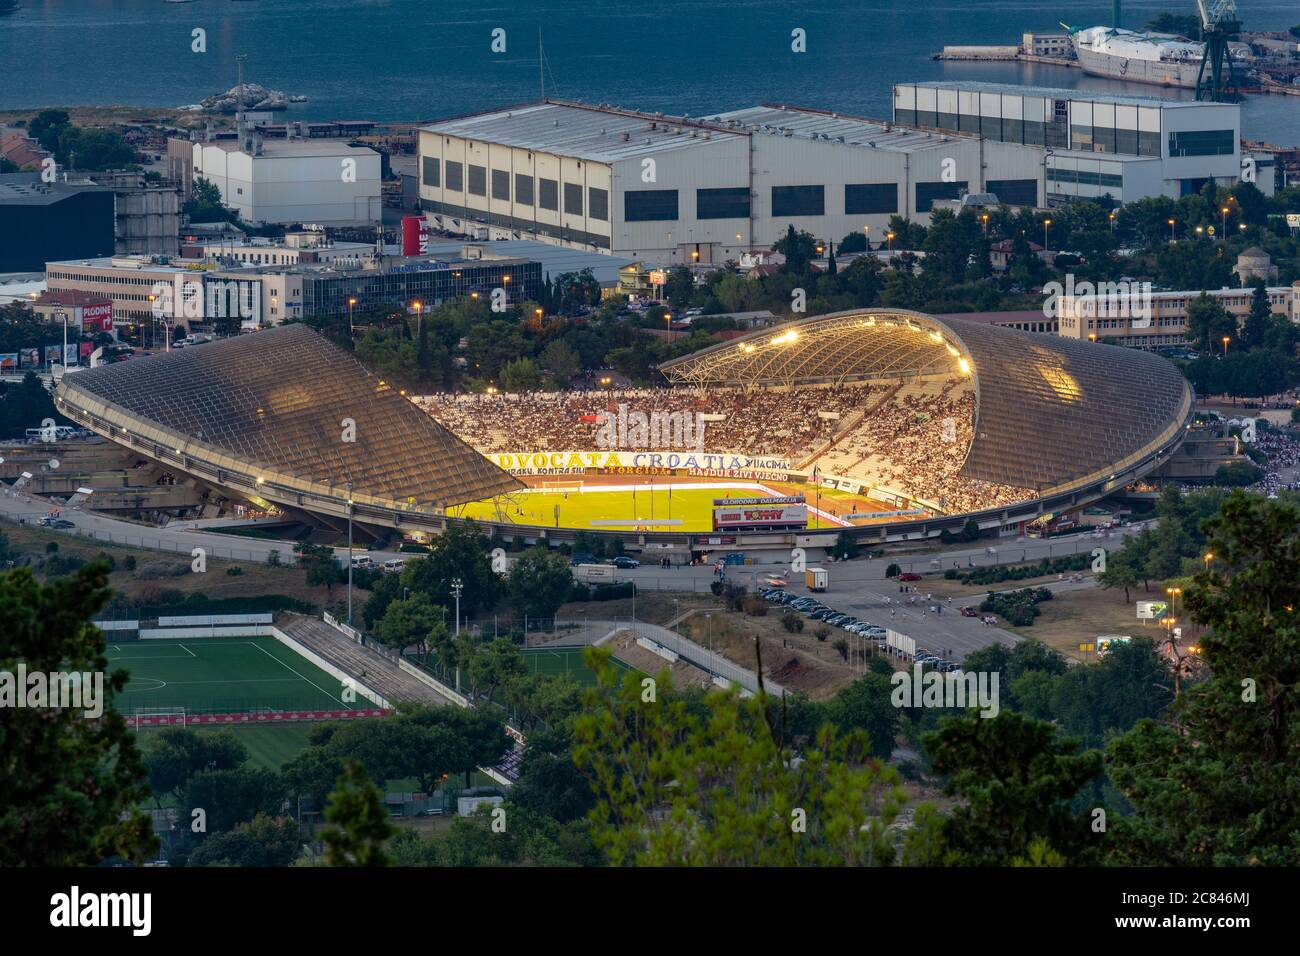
602,134
835,127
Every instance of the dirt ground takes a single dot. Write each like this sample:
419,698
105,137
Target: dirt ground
797,661
215,582
683,673
1078,617
653,607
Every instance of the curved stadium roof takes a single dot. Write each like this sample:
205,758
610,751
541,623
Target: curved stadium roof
1050,412
273,405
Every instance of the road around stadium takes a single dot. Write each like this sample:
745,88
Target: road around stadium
855,586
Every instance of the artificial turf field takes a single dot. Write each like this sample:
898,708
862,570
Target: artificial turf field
223,675
568,661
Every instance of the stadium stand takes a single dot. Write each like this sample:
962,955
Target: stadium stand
362,663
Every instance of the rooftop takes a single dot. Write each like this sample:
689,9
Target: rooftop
814,124
601,134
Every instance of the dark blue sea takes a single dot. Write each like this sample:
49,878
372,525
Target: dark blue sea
425,59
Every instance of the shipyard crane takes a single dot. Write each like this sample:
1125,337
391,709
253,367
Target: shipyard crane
1215,81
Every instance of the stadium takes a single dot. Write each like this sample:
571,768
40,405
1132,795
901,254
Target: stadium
886,424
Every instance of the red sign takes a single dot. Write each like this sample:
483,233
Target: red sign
415,236
97,318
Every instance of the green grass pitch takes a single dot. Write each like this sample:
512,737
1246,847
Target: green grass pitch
568,661
223,675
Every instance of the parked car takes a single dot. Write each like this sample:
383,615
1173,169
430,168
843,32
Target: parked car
626,563
909,576
581,557
62,524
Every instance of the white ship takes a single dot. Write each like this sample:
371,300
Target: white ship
1159,58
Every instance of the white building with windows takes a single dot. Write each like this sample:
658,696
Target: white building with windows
1094,144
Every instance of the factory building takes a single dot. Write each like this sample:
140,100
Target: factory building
692,190
40,221
1094,144
320,182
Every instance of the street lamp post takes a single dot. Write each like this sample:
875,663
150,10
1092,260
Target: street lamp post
1046,225
349,486
1171,230
352,326
1224,212
457,585
889,236
1225,346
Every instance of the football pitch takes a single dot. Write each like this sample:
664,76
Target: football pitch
660,509
223,675
551,663
683,507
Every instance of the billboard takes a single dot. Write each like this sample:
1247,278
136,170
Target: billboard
415,236
1150,610
759,514
8,362
701,464
52,353
97,318
30,358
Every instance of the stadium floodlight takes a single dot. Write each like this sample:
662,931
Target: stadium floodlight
964,366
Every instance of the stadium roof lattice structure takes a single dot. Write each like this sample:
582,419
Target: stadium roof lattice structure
1049,412
289,414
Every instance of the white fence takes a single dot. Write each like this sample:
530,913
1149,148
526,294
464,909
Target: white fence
171,633
214,620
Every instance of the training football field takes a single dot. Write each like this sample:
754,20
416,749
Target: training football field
553,663
223,675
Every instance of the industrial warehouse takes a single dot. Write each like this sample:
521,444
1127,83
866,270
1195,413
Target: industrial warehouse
703,190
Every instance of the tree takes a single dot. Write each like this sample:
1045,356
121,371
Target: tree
561,361
712,783
539,582
461,553
70,787
262,841
1121,572
233,795
321,566
1208,322
412,622
521,375
1213,782
865,705
205,203
799,248
359,822
175,754
1015,779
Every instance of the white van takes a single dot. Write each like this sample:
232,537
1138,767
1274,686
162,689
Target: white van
394,564
362,561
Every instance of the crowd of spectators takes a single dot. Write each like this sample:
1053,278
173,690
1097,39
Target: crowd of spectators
910,437
775,422
913,441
